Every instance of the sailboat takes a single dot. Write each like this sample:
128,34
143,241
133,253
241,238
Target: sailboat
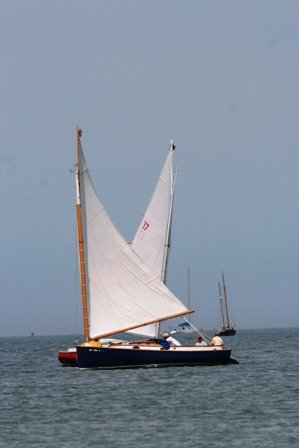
227,328
151,242
121,293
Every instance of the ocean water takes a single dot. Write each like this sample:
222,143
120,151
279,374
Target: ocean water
252,404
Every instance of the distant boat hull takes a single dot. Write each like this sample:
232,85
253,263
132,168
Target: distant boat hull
227,331
68,358
138,356
184,328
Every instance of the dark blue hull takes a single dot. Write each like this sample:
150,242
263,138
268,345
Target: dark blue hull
227,331
97,358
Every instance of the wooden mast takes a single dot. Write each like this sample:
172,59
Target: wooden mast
225,302
221,305
81,241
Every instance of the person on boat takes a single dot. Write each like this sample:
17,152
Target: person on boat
200,341
171,340
217,341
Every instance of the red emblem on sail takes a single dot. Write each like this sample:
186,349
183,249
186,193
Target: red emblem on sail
145,225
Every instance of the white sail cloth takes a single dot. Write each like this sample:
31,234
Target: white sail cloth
123,292
152,239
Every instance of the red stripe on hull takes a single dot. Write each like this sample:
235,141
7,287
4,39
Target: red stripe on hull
68,358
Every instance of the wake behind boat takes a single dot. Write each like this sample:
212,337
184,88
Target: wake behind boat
120,293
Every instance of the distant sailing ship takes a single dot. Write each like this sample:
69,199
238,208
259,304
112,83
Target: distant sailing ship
227,328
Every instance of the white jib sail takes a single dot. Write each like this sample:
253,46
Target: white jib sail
152,239
122,291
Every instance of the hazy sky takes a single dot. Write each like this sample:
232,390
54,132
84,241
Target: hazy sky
219,77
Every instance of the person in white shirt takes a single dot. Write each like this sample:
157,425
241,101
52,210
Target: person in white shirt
200,341
171,340
217,341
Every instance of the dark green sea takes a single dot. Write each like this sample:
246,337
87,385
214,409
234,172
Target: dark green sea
252,404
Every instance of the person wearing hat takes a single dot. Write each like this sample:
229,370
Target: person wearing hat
171,340
217,341
200,341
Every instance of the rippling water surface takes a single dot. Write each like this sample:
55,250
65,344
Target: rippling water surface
252,404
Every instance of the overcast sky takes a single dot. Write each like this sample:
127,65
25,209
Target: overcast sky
219,77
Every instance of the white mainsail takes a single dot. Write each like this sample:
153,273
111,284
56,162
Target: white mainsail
152,239
123,292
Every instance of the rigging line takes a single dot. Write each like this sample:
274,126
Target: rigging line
167,243
197,330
